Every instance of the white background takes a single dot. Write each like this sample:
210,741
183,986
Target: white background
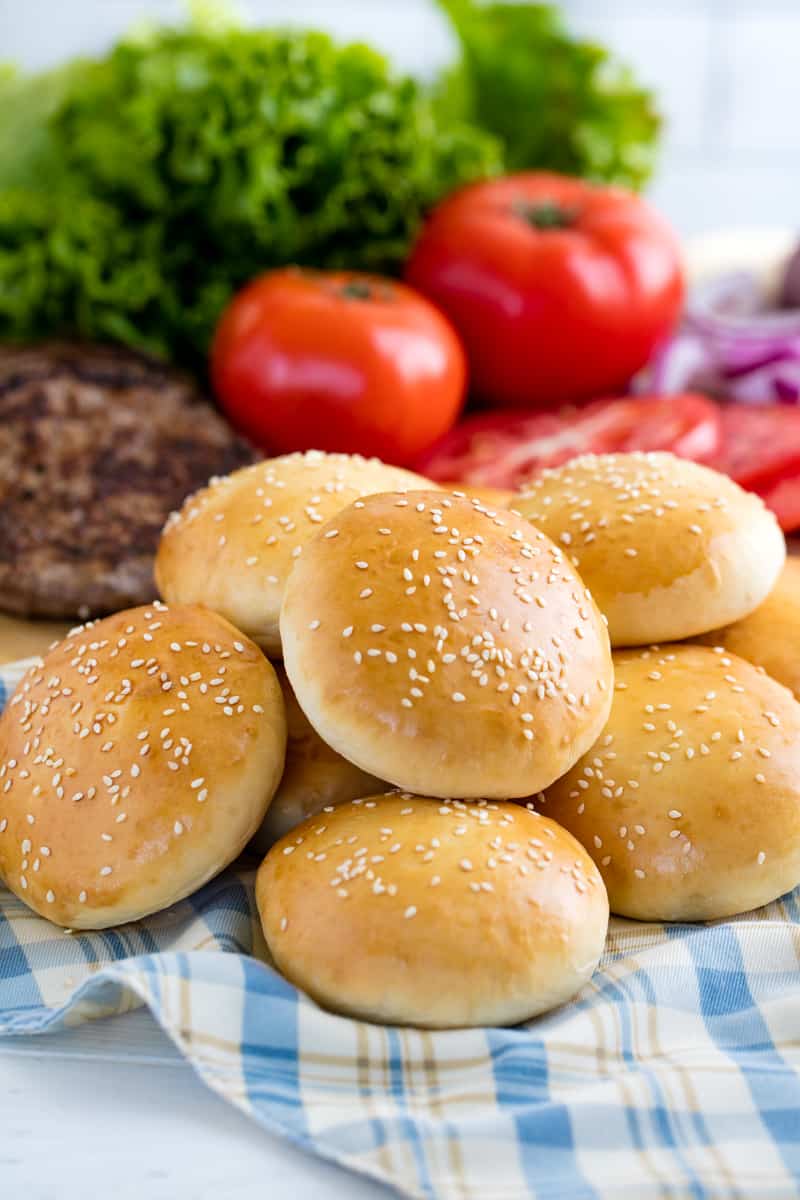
727,73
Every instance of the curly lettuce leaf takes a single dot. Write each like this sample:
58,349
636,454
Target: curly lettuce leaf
27,102
186,161
70,266
556,102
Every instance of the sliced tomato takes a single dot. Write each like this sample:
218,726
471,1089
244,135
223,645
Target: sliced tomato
758,443
783,497
503,449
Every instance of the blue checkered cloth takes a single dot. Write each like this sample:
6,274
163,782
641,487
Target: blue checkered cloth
674,1074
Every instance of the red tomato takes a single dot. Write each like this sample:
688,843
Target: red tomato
337,361
560,289
783,497
760,449
758,443
504,449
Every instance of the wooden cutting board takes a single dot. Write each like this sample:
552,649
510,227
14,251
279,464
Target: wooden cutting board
21,639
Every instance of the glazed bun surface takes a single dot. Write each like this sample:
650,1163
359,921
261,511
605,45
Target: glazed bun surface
135,763
492,497
690,800
770,636
232,544
669,548
415,911
314,776
446,647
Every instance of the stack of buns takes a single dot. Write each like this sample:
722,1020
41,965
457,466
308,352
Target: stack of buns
233,544
502,720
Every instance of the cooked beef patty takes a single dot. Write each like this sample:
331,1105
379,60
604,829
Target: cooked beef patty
97,446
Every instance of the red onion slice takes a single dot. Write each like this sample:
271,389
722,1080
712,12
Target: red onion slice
730,347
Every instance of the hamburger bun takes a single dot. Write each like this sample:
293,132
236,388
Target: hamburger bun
414,911
491,496
446,647
135,763
769,636
314,776
233,543
690,800
669,548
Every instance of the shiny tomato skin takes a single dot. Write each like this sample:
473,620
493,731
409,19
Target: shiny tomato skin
550,315
760,443
337,361
504,449
783,497
760,449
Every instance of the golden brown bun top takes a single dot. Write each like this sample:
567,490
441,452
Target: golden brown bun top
690,799
419,911
232,544
434,641
136,762
770,636
669,548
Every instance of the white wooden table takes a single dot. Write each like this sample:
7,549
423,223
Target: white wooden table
111,1109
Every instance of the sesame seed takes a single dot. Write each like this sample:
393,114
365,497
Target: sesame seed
411,911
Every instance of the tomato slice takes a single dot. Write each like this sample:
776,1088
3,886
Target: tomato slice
758,443
783,497
503,449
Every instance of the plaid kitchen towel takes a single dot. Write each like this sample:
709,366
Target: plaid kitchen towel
675,1073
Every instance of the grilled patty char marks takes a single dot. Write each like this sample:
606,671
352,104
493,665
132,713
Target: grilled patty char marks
97,446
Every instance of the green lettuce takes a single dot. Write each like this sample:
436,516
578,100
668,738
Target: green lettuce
138,191
555,101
